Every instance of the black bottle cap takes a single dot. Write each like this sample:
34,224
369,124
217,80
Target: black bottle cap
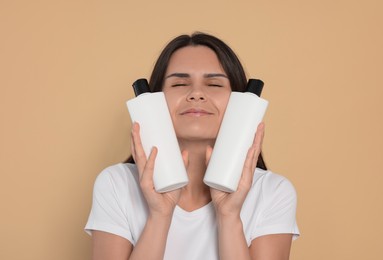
255,86
141,86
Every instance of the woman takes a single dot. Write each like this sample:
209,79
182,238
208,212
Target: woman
130,220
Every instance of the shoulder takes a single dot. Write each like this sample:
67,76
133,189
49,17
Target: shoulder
268,191
118,205
271,184
118,172
270,206
118,186
117,177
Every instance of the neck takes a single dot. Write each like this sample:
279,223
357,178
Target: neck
196,194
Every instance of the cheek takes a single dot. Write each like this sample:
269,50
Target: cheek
222,103
172,102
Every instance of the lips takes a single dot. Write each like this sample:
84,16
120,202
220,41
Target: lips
195,112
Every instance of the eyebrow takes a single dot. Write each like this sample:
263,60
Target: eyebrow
214,75
178,75
186,75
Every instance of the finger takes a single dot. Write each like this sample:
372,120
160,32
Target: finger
257,143
185,158
132,150
209,151
259,133
140,156
248,170
252,157
147,175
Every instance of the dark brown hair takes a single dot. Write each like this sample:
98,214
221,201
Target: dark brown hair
228,59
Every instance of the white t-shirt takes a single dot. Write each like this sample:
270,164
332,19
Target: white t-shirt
120,208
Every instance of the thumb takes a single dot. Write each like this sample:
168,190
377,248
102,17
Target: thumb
147,174
185,157
209,151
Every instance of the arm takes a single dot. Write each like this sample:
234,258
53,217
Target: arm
271,247
152,241
231,239
109,246
151,244
232,243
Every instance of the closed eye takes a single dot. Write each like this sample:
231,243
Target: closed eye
179,85
215,85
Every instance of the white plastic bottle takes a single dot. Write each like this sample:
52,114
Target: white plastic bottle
150,110
244,112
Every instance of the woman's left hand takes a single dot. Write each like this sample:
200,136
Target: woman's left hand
230,204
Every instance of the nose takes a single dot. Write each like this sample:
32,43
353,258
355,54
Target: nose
196,94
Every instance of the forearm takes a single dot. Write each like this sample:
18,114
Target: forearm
231,239
152,242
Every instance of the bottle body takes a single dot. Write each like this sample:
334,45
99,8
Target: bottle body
156,129
243,114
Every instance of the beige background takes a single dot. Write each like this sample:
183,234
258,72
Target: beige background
66,71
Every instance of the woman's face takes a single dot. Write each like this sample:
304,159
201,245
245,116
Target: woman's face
197,91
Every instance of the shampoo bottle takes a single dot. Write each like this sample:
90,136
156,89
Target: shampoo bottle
150,110
244,112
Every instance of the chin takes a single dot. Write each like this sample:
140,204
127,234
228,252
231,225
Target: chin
196,135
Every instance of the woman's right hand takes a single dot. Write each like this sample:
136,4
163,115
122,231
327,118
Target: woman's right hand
160,204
